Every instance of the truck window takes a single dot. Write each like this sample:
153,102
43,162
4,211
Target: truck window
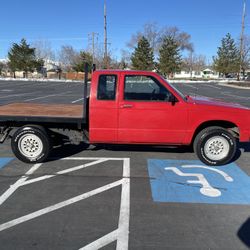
144,88
107,87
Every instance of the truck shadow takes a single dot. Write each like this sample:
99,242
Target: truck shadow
143,148
242,147
244,233
67,149
245,146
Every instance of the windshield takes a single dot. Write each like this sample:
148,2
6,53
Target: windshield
184,97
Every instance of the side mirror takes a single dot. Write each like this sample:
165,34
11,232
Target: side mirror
172,99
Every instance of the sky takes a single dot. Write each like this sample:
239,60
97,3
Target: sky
64,22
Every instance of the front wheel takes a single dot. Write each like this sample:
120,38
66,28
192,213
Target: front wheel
215,146
31,144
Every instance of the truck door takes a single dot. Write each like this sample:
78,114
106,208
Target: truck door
103,109
146,113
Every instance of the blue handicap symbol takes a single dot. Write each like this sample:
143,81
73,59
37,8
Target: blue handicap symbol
4,161
193,182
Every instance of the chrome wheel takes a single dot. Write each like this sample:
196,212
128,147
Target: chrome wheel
216,148
30,146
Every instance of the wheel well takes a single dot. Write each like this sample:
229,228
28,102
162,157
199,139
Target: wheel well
231,127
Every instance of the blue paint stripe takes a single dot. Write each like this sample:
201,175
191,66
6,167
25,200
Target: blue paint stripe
4,161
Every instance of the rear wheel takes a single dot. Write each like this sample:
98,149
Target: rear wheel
31,144
215,146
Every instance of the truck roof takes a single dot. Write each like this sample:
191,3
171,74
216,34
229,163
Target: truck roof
105,71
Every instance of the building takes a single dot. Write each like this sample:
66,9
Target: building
204,74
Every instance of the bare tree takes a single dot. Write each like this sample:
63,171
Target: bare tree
182,38
150,32
200,62
1,67
194,62
101,63
68,57
44,50
125,59
246,54
155,35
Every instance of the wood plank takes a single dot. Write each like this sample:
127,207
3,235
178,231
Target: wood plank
42,110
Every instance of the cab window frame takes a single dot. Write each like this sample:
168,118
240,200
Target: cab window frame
115,88
156,81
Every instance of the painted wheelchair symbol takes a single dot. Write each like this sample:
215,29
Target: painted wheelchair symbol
206,189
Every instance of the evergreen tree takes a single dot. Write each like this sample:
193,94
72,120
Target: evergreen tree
169,57
143,56
228,57
22,58
84,57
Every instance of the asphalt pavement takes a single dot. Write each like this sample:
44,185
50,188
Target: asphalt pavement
125,197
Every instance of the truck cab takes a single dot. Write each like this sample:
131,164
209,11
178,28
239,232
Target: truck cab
135,107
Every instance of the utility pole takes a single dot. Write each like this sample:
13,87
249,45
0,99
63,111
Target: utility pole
92,39
105,37
242,38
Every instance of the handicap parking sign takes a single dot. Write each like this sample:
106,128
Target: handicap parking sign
193,182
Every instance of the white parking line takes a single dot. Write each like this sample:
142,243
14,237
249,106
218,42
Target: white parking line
190,86
19,183
7,90
234,86
235,96
92,158
212,86
78,100
57,206
123,227
121,235
62,172
44,97
103,241
16,95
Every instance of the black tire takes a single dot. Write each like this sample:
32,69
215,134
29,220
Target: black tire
215,146
31,144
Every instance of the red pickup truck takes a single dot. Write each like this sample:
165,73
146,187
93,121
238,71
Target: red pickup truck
129,107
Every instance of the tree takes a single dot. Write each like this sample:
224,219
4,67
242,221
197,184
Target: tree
4,68
228,57
143,57
181,38
44,50
169,57
155,36
79,64
150,32
68,57
194,62
1,67
22,58
245,60
125,59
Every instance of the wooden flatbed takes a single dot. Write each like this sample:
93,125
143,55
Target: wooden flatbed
46,113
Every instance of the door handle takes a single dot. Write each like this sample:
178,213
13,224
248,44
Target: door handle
126,106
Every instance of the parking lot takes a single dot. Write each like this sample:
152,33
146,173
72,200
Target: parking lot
124,197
